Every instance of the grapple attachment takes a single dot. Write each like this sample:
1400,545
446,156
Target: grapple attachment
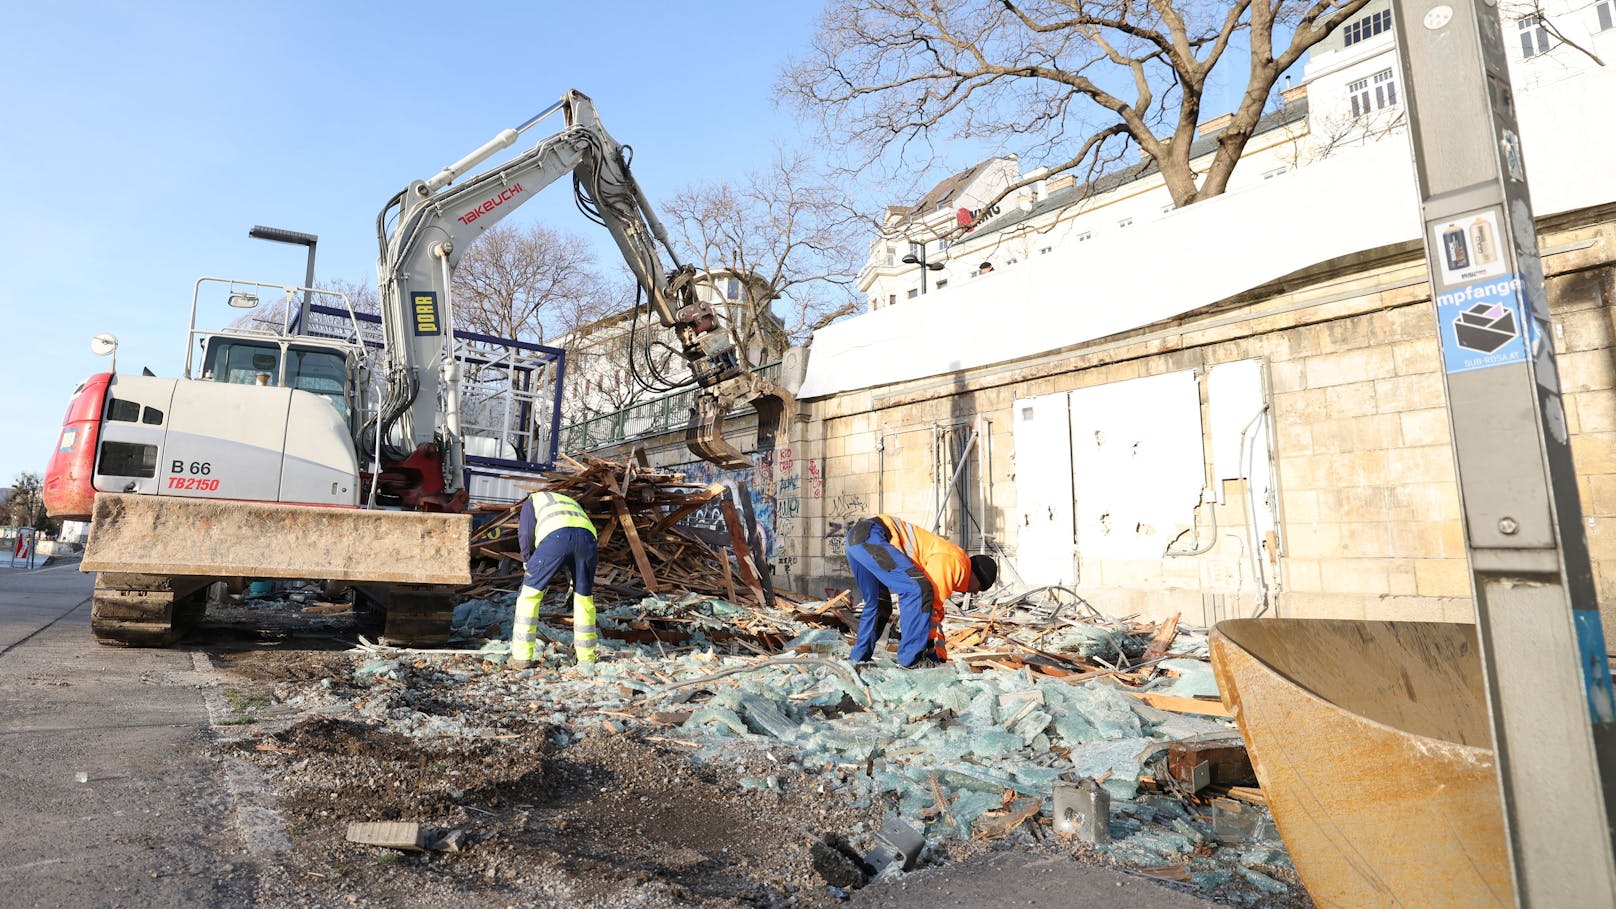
704,436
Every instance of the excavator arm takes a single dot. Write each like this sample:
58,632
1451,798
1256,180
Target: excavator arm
434,222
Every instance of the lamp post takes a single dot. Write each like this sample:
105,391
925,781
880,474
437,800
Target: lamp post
919,258
296,238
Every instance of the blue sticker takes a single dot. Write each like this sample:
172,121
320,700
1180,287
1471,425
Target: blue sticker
1485,324
1595,666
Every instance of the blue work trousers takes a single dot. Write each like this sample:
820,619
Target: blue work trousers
881,569
572,548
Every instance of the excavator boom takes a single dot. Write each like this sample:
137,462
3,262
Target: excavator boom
424,230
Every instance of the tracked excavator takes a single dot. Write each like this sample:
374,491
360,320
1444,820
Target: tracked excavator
287,453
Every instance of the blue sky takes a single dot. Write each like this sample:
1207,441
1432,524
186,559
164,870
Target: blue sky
142,141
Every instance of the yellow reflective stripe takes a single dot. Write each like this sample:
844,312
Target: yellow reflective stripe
552,512
524,624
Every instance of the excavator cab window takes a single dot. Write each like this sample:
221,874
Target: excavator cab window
323,372
240,362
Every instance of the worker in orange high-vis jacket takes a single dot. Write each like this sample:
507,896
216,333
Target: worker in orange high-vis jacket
554,533
890,555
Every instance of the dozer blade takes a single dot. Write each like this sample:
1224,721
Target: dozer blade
1372,744
164,535
704,436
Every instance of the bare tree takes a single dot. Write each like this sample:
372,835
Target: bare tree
1075,82
525,283
361,296
1533,9
789,227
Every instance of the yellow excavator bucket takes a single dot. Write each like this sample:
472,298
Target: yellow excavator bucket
1372,744
169,535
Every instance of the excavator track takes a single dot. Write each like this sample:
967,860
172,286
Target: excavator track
145,610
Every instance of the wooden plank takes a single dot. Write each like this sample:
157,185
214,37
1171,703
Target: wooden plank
993,828
729,580
1163,638
634,545
1181,704
743,552
695,502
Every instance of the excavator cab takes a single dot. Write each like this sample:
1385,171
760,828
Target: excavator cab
328,371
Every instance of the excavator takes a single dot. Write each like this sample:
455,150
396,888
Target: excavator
287,453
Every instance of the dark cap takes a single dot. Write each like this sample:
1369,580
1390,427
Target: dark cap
985,570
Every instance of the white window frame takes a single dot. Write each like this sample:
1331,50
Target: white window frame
1367,27
1385,85
1535,41
1373,92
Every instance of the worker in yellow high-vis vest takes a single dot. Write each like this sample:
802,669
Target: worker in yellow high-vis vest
555,533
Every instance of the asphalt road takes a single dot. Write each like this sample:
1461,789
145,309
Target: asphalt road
154,824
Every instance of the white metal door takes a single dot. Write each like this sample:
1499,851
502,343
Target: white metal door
1045,535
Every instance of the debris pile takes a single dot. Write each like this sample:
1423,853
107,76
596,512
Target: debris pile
643,547
968,753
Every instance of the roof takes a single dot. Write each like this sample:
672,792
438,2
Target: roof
1204,145
949,188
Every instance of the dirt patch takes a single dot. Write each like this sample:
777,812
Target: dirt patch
610,820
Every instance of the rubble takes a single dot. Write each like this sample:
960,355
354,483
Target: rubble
969,753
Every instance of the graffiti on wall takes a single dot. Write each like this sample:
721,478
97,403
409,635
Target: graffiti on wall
775,484
842,512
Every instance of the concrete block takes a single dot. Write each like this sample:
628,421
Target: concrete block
1302,575
1355,576
1300,507
1432,501
1429,540
1302,408
1287,376
1418,356
1414,392
1588,370
1426,464
1587,329
1400,579
389,834
1332,369
1459,609
1293,437
1425,427
1355,399
1321,606
1405,323
1594,452
1314,541
1363,468
1601,536
1442,577
1600,498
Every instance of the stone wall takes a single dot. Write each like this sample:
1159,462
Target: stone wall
1368,503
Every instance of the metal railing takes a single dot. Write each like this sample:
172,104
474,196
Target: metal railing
647,418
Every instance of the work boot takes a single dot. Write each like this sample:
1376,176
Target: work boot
518,665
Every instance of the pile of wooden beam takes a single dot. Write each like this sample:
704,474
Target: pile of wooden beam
643,547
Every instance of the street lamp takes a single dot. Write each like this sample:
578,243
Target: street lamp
919,258
296,238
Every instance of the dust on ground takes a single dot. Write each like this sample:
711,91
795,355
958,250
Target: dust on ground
541,813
